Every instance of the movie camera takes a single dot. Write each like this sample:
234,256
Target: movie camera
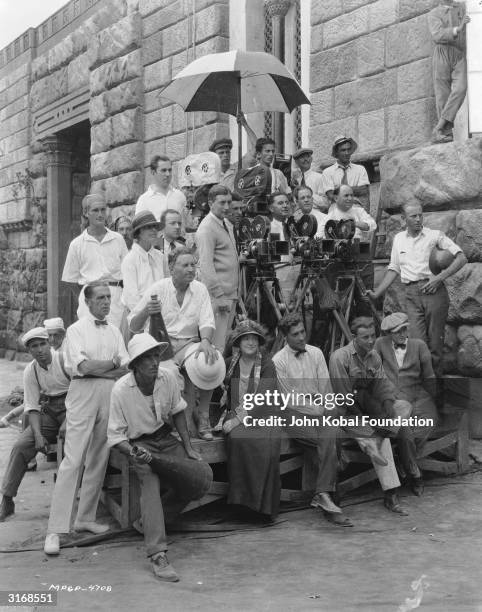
197,174
258,246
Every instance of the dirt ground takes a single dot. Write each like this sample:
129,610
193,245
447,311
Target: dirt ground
300,564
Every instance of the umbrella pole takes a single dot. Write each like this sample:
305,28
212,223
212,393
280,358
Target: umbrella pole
240,130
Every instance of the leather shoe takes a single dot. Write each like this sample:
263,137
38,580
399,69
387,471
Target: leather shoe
417,486
324,501
7,508
338,519
392,503
92,526
52,544
438,136
162,568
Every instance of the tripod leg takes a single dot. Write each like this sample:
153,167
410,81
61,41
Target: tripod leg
363,293
258,302
271,299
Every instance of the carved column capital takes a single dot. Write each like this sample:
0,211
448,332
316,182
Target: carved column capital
277,8
59,152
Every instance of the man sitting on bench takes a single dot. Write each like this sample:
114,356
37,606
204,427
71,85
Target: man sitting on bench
143,404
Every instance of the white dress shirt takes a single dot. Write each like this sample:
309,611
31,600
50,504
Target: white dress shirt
410,255
89,260
140,269
358,214
307,373
313,180
51,381
399,354
132,414
156,202
86,340
356,176
321,219
182,322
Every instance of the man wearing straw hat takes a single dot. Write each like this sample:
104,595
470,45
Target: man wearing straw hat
56,330
95,255
144,405
45,383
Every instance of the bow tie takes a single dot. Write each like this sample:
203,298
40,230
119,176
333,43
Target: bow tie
298,353
401,345
99,322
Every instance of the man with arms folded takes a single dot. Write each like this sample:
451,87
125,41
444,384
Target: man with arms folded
304,176
171,236
96,355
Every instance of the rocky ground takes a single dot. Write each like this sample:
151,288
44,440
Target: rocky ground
302,563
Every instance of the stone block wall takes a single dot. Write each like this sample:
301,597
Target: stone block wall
370,75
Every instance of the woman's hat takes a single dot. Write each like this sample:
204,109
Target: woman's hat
244,328
204,375
143,219
142,343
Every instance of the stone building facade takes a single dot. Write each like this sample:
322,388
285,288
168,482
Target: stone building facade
81,110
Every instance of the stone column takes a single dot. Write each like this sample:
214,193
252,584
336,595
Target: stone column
59,213
277,10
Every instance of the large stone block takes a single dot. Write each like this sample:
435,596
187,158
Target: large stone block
212,21
408,41
469,355
371,131
412,8
49,89
101,137
366,94
15,107
78,72
117,40
317,38
351,5
415,80
127,126
371,53
14,124
411,124
117,161
123,189
158,123
451,345
61,54
174,38
345,27
324,10
115,72
176,146
152,48
383,13
163,18
465,292
155,147
154,102
334,66
124,96
435,176
469,233
158,75
146,7
322,107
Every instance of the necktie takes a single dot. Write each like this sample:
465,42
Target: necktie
298,353
344,180
99,322
225,226
303,182
401,345
172,246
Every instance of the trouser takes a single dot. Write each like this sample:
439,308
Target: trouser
224,322
427,314
450,80
23,450
85,446
154,509
116,312
320,443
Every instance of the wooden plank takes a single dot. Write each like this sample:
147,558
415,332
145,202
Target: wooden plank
218,488
432,465
435,445
288,465
356,481
294,495
207,499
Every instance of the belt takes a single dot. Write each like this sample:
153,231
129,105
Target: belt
86,376
422,280
61,396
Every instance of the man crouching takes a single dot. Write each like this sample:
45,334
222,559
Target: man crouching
144,403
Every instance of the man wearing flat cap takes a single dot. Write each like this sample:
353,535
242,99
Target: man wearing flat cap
222,147
408,365
45,383
95,255
56,330
344,172
304,176
145,405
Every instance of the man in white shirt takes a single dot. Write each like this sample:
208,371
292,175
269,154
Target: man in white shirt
286,271
345,208
143,265
426,295
144,405
185,306
171,236
222,147
56,331
304,176
45,384
301,369
96,356
95,255
303,197
265,153
344,172
160,195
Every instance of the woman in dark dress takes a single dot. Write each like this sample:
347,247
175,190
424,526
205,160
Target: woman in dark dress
252,451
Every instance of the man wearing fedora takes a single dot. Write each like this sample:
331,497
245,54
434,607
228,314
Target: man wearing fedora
96,356
408,365
45,384
95,255
426,296
304,176
143,264
185,306
56,330
345,172
144,406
